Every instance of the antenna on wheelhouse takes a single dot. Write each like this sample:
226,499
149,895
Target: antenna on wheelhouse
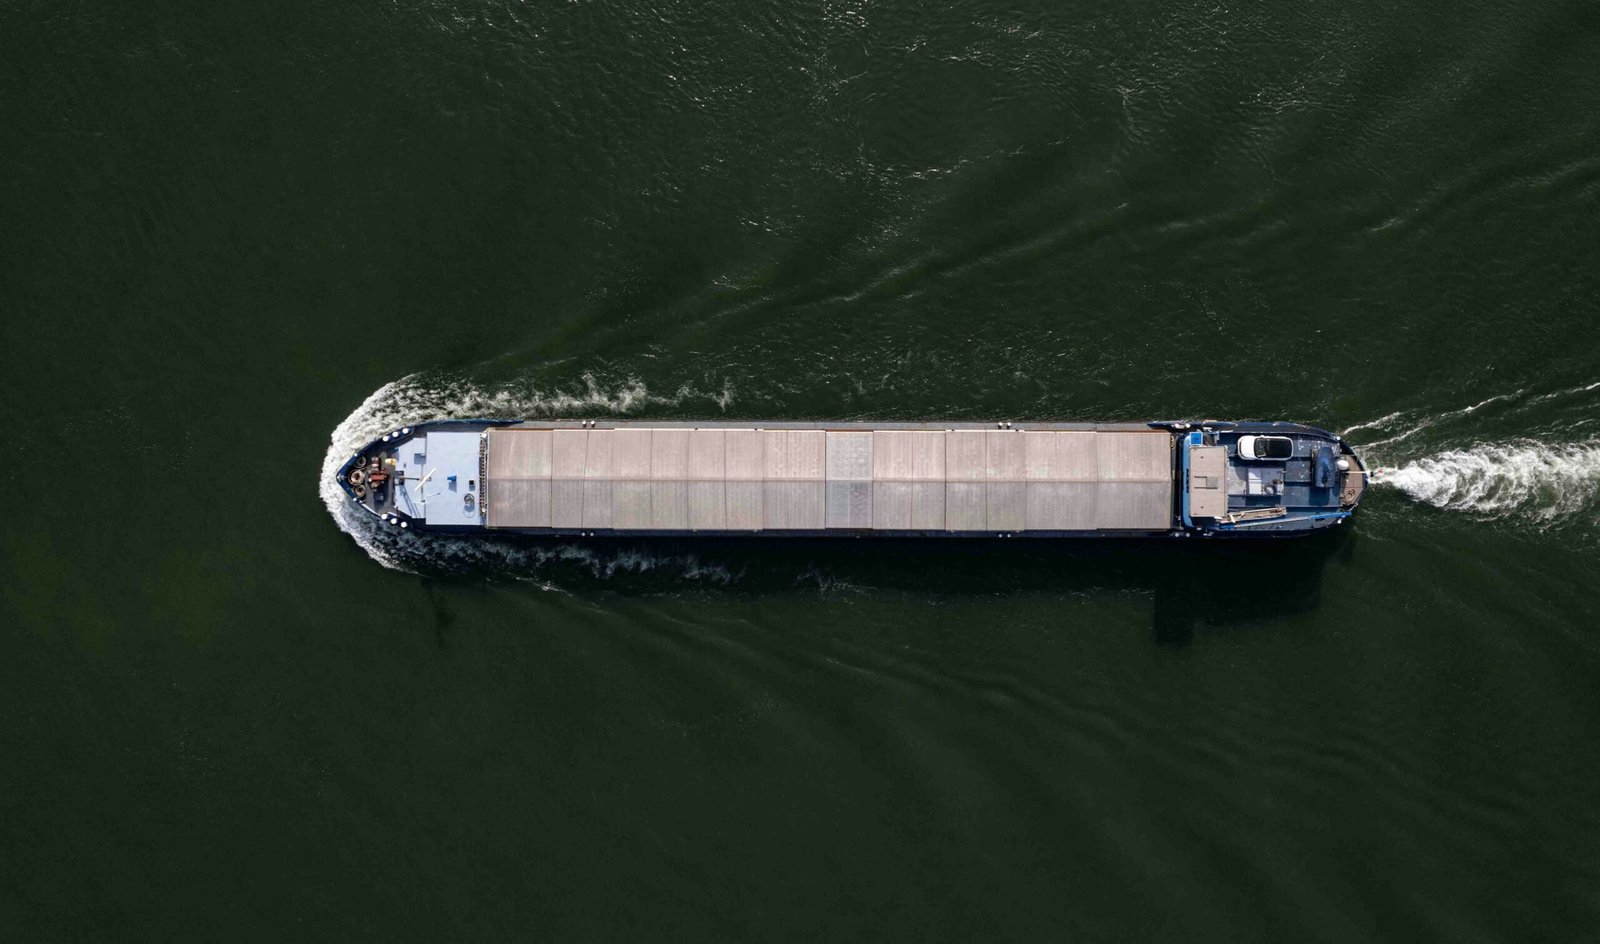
422,489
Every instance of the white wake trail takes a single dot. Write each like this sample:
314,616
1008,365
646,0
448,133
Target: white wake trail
1525,478
1374,424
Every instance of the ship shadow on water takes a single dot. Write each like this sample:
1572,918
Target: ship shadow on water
1192,585
1244,585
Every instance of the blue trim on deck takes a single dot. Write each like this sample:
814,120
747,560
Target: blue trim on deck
1196,438
1292,519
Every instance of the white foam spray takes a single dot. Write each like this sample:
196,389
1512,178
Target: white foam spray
1416,426
1524,478
418,399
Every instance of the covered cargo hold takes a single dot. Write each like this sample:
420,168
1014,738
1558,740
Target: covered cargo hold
746,479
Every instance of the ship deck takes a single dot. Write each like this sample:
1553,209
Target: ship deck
791,477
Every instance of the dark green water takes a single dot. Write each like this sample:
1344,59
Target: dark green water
225,225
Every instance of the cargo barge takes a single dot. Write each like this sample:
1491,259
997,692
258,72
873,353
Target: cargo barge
582,478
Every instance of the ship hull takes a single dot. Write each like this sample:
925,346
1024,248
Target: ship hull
855,480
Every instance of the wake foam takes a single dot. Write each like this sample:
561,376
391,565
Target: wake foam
1523,478
1416,425
418,399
